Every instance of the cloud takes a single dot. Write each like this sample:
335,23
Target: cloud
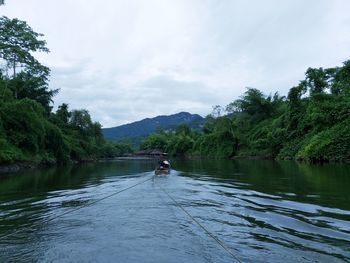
108,100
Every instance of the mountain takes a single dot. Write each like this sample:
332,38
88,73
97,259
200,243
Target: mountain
146,126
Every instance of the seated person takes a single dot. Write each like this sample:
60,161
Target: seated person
163,164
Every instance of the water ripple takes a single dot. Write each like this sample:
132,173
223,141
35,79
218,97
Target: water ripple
259,222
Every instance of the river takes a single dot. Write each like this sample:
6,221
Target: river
204,211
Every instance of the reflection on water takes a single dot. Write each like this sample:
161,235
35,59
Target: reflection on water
262,211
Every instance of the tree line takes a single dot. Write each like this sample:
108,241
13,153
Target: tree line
312,123
29,128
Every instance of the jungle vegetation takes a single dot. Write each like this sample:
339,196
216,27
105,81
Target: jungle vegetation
312,123
29,128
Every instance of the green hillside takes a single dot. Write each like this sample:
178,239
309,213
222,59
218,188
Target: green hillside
140,129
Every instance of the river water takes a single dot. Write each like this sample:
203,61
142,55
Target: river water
204,211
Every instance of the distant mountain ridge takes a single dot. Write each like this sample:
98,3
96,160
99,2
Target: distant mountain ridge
147,126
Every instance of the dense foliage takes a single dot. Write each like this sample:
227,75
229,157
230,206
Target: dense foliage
312,123
29,129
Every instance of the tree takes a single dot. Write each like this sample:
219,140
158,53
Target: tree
183,128
209,124
28,128
36,88
341,80
158,141
295,94
63,114
316,80
81,120
255,104
217,110
17,40
23,123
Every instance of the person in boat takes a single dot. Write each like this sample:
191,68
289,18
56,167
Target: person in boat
163,164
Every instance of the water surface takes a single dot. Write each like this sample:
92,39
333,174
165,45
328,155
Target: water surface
261,211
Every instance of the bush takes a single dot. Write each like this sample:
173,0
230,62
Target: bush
10,153
23,123
329,145
56,144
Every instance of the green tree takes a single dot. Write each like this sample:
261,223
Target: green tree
23,122
28,128
17,41
316,80
81,120
157,141
341,79
62,114
184,129
33,87
254,103
217,111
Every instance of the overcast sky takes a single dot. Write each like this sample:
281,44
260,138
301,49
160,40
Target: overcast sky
128,60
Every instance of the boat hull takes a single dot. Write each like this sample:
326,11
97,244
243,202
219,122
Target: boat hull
162,171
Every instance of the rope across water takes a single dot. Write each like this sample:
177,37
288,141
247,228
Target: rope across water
201,226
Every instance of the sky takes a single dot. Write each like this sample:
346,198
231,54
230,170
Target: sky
125,60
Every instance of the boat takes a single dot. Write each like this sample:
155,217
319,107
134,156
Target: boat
163,168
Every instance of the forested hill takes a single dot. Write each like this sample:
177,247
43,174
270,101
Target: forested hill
147,126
